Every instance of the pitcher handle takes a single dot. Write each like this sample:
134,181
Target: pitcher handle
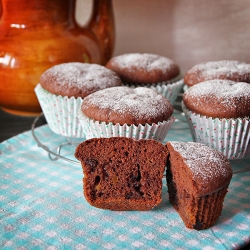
1,9
103,26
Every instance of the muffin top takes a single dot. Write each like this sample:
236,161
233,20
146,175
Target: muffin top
219,99
143,68
126,105
208,168
78,79
225,69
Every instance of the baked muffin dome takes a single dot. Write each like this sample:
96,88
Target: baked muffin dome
219,99
197,178
78,79
143,68
126,105
208,169
224,69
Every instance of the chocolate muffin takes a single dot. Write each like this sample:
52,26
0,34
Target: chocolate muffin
139,113
218,113
78,79
148,70
62,89
121,173
197,178
225,70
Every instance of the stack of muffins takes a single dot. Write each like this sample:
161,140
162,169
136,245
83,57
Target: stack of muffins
79,93
149,70
125,111
141,109
217,106
62,89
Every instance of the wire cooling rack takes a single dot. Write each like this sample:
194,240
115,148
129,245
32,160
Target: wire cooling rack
56,154
53,155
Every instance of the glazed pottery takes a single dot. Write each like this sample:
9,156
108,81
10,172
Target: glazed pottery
35,35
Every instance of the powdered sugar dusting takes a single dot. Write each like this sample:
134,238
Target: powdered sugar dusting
79,77
229,95
206,164
221,89
148,62
229,69
139,102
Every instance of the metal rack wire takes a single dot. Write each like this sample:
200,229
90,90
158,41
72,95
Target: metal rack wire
53,156
57,154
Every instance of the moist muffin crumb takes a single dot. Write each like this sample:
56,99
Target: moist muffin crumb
121,173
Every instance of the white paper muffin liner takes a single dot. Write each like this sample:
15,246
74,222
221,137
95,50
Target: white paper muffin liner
97,129
169,89
229,136
185,87
61,112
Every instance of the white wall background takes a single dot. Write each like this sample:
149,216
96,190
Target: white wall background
188,31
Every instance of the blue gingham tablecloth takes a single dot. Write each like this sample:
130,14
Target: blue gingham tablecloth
42,206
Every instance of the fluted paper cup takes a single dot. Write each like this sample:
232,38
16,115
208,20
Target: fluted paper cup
229,136
97,129
61,112
169,89
185,88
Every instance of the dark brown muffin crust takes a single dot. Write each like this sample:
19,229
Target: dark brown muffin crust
126,105
206,169
121,173
225,70
78,79
219,99
197,178
143,68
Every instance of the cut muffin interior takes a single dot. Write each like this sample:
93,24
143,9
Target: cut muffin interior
121,173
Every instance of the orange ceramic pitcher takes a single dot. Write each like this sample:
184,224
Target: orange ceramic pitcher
35,35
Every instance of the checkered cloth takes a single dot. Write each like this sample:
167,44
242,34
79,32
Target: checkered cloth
42,206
